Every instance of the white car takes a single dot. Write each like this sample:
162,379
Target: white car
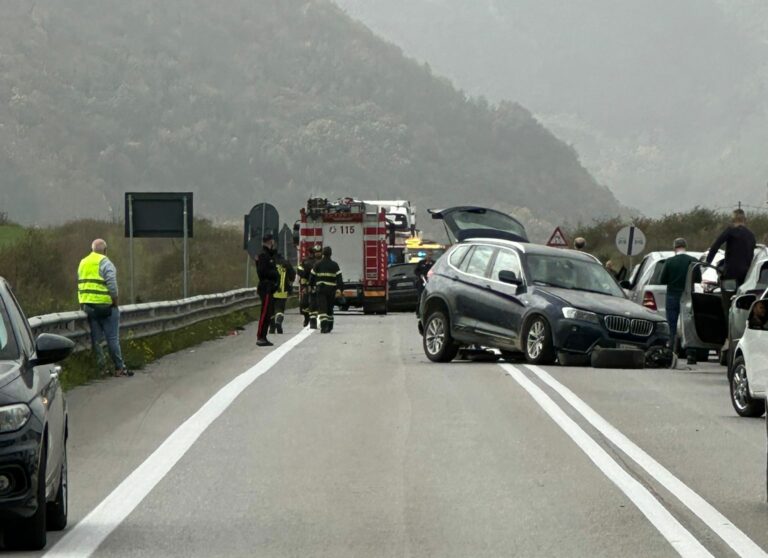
748,372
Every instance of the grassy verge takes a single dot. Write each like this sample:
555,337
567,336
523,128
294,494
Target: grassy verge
81,367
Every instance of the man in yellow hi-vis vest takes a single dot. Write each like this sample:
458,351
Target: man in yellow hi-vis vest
97,294
284,286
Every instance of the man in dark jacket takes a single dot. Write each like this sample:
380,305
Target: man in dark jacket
739,252
308,302
673,275
269,278
326,277
284,287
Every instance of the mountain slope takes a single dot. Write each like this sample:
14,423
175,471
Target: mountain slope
250,100
666,102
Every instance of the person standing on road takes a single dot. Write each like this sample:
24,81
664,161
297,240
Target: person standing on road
269,278
308,303
97,294
739,251
285,284
326,276
674,275
421,272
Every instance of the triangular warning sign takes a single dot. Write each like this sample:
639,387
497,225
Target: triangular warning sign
558,240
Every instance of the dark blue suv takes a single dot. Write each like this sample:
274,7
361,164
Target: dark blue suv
529,301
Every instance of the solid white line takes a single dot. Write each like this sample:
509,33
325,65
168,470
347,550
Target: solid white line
87,535
671,529
731,535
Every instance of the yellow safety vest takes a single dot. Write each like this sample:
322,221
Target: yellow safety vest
91,287
281,291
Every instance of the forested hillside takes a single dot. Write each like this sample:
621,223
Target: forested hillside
242,101
665,101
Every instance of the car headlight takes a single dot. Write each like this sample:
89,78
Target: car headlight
581,315
13,417
662,328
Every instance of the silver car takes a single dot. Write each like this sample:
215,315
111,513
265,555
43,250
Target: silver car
644,288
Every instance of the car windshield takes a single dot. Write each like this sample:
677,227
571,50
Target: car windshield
571,273
8,348
484,219
401,270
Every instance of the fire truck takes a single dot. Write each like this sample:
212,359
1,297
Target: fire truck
357,233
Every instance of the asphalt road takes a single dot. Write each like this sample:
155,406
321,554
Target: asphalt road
353,444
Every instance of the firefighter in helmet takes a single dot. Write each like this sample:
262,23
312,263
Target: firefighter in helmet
284,286
326,277
308,303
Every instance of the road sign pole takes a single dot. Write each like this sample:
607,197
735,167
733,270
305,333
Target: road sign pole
130,248
186,255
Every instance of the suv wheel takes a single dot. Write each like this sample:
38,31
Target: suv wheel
58,509
742,402
537,342
439,346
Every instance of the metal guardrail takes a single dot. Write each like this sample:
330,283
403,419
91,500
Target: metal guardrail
143,320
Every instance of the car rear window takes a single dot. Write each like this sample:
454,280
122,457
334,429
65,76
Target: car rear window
656,277
403,269
9,350
458,255
479,260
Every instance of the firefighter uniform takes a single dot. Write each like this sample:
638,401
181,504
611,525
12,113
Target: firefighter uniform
326,277
268,279
308,303
285,284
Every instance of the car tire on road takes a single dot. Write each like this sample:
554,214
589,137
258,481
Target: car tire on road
59,508
572,359
438,344
628,359
31,533
537,341
743,403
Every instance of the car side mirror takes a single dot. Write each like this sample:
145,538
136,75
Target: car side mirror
50,349
744,302
510,277
625,284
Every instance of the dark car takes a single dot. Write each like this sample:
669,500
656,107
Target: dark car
403,291
33,430
531,301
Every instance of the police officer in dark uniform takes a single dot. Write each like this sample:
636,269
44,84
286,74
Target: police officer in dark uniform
308,303
269,278
326,276
284,286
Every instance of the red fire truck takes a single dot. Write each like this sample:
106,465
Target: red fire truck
358,235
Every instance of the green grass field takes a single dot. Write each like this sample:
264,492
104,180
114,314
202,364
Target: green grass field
10,234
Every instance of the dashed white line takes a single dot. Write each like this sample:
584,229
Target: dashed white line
670,528
87,535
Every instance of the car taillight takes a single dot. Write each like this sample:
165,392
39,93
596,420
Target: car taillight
649,301
430,273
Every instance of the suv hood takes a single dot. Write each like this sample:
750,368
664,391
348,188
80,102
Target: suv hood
602,304
468,221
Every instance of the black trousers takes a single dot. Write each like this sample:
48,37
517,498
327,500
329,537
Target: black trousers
267,311
326,296
279,308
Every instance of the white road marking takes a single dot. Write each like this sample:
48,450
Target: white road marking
727,531
671,529
85,538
